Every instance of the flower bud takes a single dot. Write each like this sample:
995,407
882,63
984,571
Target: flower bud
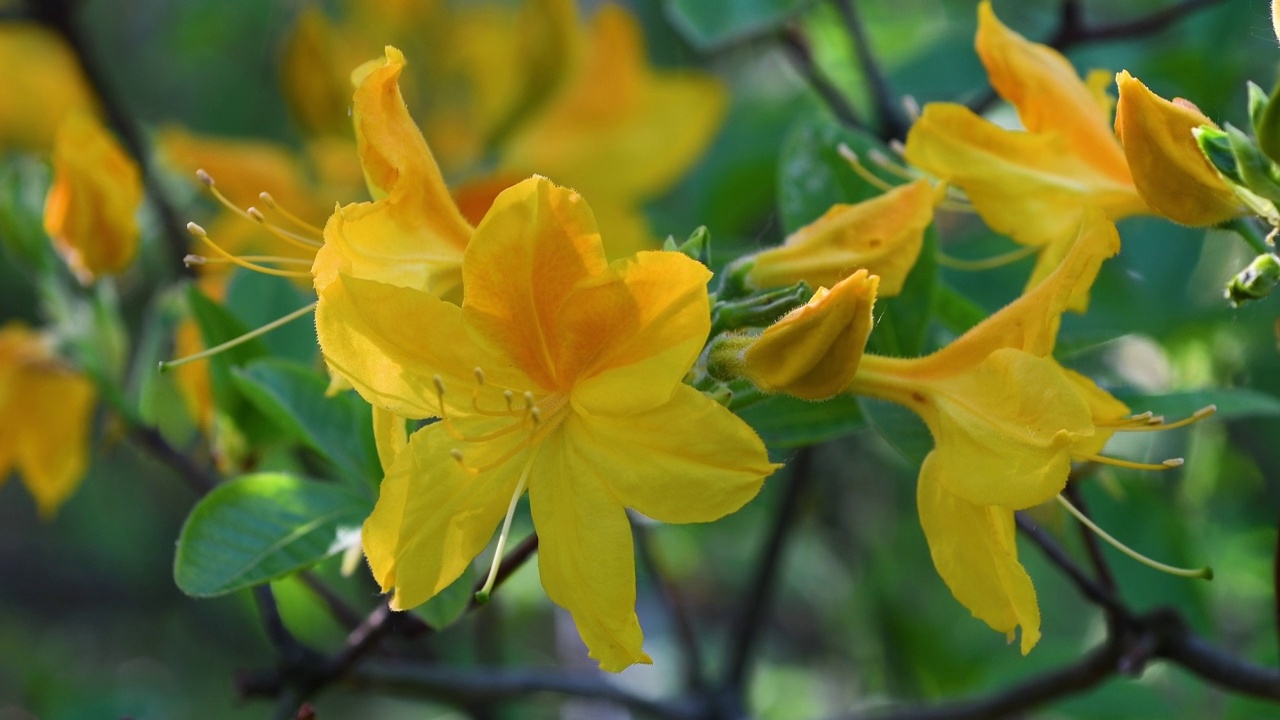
91,207
883,235
1170,171
813,352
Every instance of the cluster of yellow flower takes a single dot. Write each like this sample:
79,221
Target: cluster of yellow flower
547,350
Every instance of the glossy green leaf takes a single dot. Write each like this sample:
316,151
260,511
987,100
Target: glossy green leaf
445,608
293,397
708,25
902,322
217,326
261,527
785,422
901,428
257,299
813,175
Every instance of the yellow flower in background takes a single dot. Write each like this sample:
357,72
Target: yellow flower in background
90,212
1172,174
1033,184
882,235
1007,420
814,350
560,374
45,413
43,85
504,92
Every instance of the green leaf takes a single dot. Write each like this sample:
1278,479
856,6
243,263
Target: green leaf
257,299
293,397
901,428
813,176
955,311
1266,125
785,422
1233,403
708,25
217,326
262,527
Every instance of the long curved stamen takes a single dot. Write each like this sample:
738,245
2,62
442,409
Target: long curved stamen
291,238
199,232
1160,424
1205,573
202,260
1117,462
996,261
301,224
482,596
863,172
307,310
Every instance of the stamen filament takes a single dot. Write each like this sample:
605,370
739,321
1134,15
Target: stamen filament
482,596
202,260
271,204
292,238
199,232
1117,462
165,366
1205,573
874,180
996,261
1197,416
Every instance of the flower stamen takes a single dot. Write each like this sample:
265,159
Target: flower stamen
995,261
482,595
166,365
200,232
1117,462
1205,573
301,224
1157,423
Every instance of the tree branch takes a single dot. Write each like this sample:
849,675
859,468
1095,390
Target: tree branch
797,49
152,441
893,121
466,686
670,595
1073,31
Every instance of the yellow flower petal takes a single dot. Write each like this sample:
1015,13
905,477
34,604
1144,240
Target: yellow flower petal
390,436
1048,94
1172,174
660,464
535,245
91,207
45,418
390,343
974,550
433,516
882,235
1029,186
585,555
813,352
1103,407
43,85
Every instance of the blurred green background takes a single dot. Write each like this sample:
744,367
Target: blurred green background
92,626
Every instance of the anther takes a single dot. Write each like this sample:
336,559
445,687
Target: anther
456,454
528,400
508,396
1173,462
267,200
535,412
439,383
479,376
204,177
191,260
196,230
256,214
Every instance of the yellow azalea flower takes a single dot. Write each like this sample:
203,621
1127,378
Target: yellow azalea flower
813,351
1007,420
413,235
45,413
1172,174
43,84
1030,185
560,374
91,209
883,235
619,131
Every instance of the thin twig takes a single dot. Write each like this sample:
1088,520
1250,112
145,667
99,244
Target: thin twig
342,612
466,686
59,15
751,620
1073,31
893,121
151,440
1086,673
1088,587
676,610
797,48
